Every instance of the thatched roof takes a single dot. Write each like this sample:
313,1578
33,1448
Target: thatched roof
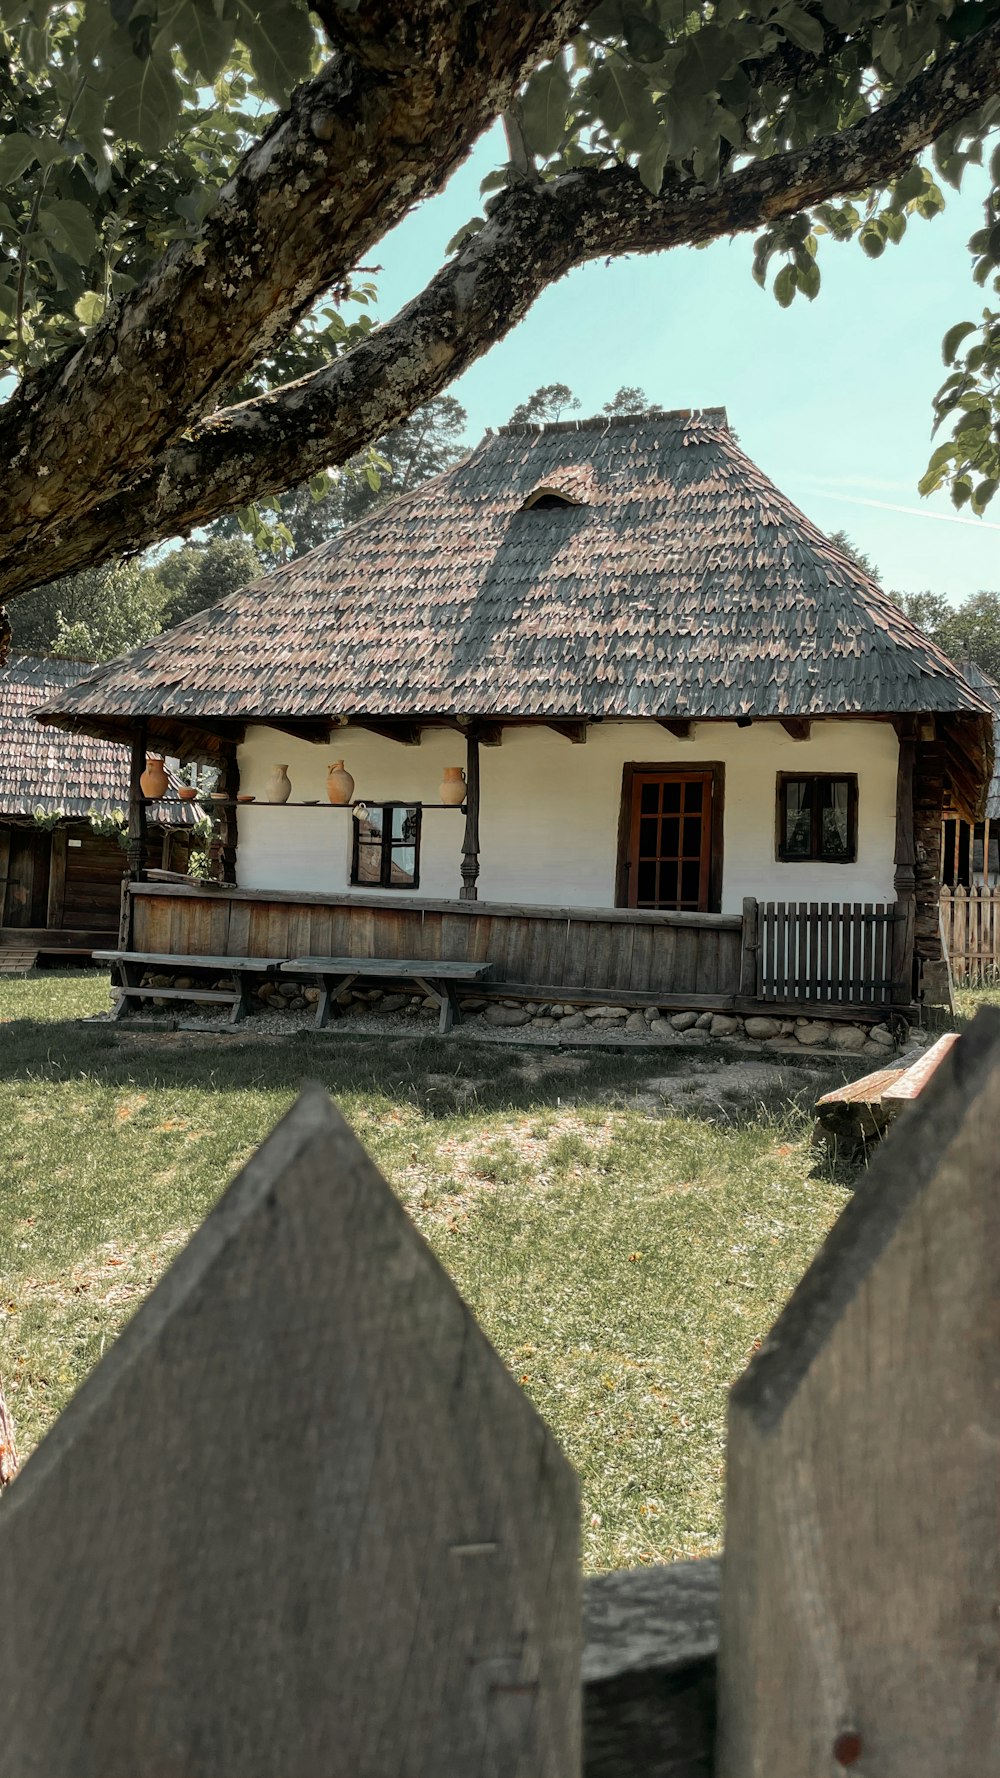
47,771
676,582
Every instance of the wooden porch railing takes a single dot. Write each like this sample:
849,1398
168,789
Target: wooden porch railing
302,1520
970,931
836,953
622,950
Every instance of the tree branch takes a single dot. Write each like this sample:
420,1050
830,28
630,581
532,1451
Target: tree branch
535,233
356,149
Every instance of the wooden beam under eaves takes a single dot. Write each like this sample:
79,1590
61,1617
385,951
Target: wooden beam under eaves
799,727
488,734
677,726
573,731
406,733
303,729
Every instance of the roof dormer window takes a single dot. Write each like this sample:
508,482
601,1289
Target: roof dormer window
548,498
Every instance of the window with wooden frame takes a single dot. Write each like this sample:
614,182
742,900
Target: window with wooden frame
670,838
386,852
817,817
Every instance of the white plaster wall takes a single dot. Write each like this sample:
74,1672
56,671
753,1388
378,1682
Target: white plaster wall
549,809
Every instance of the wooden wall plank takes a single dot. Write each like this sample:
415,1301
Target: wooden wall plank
56,907
861,1568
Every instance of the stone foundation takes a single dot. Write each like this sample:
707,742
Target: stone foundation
563,1018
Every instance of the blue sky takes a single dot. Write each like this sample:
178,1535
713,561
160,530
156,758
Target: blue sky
831,398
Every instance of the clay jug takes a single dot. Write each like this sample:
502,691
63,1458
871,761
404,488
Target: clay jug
453,786
279,787
339,783
154,778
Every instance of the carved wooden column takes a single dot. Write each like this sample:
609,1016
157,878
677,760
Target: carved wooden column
136,849
470,844
928,801
904,878
228,828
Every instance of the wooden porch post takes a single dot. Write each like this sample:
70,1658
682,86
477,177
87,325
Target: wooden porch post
136,807
904,879
230,832
470,844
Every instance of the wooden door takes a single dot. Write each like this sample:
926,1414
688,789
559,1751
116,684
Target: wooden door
26,899
669,863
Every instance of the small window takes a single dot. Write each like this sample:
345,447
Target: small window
386,847
818,818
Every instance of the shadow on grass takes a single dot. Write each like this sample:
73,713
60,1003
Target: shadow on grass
436,1075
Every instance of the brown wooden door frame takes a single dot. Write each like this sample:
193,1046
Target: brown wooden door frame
712,771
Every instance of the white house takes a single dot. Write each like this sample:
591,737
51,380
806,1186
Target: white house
671,696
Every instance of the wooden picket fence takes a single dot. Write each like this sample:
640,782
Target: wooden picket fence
970,928
302,1523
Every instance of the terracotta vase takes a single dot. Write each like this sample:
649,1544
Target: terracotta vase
279,785
154,778
453,786
339,784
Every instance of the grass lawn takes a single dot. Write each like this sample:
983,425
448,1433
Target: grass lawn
622,1260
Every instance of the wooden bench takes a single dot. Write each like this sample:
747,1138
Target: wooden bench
860,1112
336,974
132,965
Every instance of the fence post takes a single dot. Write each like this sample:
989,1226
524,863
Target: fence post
300,1520
859,1621
748,950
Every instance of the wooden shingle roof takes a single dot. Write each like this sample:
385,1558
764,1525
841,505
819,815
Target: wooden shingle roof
679,583
43,770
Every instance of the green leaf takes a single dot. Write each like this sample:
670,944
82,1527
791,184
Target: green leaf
621,97
652,161
467,230
808,275
18,152
204,38
281,44
89,309
804,31
953,339
70,228
872,240
983,495
544,105
146,100
785,285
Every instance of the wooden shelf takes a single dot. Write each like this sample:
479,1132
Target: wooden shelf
359,802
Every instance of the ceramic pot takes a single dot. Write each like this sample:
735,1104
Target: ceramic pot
453,789
187,792
339,784
279,785
154,778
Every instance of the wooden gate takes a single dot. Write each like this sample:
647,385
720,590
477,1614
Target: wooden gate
847,953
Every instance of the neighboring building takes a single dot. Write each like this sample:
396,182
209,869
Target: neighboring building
674,698
970,850
60,875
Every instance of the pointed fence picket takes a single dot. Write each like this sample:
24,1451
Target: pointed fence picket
300,1520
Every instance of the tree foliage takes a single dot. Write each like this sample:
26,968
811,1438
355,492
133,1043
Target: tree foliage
90,616
189,190
969,631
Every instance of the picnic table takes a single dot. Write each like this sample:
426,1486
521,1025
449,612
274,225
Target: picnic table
440,979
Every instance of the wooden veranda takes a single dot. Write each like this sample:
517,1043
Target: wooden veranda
849,958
